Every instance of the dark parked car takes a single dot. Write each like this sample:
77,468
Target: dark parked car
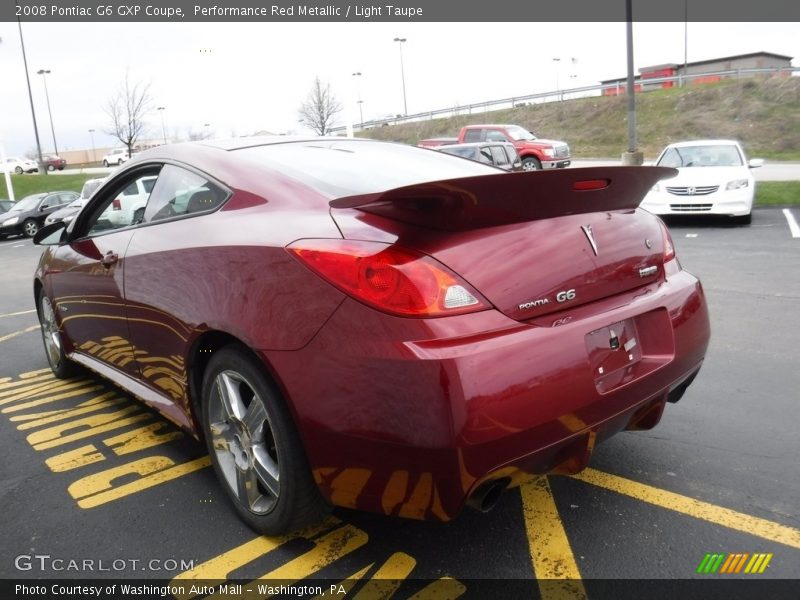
69,212
53,162
499,154
375,325
27,216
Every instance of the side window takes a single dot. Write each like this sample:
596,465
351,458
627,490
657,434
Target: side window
499,155
495,136
179,192
65,199
485,155
472,135
122,205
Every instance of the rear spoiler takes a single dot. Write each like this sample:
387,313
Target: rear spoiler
506,198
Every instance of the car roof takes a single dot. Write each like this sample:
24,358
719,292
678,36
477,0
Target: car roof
476,145
703,143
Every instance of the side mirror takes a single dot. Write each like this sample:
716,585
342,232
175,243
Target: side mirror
50,235
755,163
44,207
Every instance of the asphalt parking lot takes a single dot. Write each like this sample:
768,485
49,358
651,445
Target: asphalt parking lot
90,475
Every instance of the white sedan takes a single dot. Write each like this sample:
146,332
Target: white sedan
713,178
19,165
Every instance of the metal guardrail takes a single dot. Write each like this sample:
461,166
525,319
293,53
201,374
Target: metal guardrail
556,95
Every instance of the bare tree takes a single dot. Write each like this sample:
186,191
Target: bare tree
127,110
320,108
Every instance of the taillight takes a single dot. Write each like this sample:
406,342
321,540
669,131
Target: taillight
116,204
391,279
669,247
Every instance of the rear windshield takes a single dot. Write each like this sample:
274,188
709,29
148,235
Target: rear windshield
338,168
89,188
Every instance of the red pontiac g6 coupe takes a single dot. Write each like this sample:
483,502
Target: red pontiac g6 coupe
374,325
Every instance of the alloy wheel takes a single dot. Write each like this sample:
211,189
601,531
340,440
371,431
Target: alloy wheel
244,443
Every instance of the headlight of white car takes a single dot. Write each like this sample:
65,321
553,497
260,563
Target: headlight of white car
737,184
656,188
11,221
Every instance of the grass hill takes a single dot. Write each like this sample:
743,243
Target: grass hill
762,113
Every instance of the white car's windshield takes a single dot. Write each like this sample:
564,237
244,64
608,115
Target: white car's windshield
518,133
721,155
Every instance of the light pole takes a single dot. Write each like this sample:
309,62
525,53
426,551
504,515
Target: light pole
30,97
44,73
94,155
558,84
207,134
401,41
161,110
359,101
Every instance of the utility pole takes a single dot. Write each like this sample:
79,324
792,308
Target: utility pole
632,157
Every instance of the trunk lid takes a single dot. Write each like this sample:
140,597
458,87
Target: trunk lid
531,243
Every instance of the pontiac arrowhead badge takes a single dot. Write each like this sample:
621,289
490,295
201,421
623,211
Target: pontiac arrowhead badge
587,229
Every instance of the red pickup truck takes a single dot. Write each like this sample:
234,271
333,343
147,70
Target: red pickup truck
535,153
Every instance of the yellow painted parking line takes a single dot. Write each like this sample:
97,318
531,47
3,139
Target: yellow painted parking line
36,373
698,509
551,553
388,577
22,312
222,566
34,387
97,489
7,382
445,588
8,336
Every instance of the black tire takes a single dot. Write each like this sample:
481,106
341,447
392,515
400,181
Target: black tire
105,163
254,446
529,163
30,228
745,220
51,167
62,367
119,162
18,170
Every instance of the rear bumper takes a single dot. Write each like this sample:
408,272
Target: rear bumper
408,417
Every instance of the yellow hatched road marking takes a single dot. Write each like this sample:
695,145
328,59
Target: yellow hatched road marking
22,312
221,566
35,373
551,553
767,558
14,334
83,389
153,473
388,577
445,588
40,388
698,509
347,583
7,383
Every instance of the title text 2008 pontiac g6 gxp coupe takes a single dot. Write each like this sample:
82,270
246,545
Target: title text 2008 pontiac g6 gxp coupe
373,325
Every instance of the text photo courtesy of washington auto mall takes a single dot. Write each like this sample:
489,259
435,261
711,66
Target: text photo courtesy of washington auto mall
425,301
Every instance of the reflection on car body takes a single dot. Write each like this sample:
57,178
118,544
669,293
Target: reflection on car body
316,311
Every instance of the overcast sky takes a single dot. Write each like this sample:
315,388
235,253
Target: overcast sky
242,78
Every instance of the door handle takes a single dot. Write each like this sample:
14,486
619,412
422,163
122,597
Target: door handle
111,258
